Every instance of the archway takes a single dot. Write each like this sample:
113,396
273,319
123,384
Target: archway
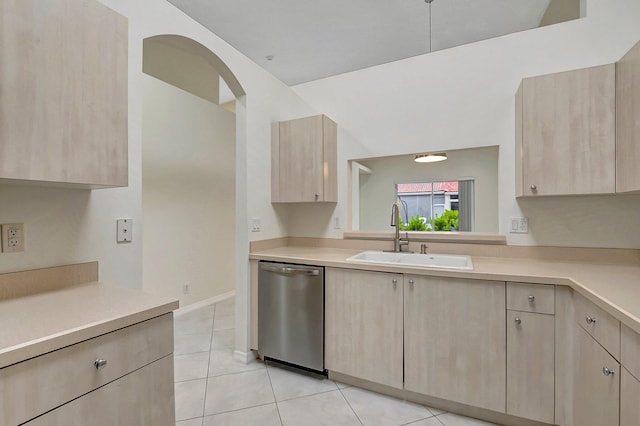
192,152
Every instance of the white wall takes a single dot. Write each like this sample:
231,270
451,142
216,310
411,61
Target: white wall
188,194
464,97
378,190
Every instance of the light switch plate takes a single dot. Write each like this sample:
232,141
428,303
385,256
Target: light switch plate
518,225
124,230
12,237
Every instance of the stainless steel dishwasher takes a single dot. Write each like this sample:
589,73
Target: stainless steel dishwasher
291,314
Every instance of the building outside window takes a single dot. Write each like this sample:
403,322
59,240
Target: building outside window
429,200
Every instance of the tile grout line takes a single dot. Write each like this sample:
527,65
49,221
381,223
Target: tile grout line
349,404
274,394
306,396
239,409
438,419
206,382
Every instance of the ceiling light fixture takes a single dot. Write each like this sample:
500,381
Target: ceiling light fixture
430,158
430,32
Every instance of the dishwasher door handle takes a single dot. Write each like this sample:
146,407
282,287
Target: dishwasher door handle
288,270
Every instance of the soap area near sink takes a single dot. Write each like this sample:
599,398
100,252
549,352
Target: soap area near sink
445,261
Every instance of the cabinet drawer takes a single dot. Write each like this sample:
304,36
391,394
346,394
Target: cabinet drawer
630,350
601,325
538,298
142,398
39,384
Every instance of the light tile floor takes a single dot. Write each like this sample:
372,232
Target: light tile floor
213,389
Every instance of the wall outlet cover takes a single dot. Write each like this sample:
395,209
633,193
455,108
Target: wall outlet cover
12,237
124,232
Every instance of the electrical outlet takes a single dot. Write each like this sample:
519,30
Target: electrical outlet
185,289
518,225
255,224
12,237
336,223
124,233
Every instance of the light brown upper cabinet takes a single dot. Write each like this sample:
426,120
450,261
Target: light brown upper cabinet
565,133
628,121
304,160
63,93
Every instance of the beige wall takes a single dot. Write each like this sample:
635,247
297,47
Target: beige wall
561,11
181,69
378,192
464,97
188,194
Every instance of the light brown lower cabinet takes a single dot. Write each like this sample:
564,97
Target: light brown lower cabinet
141,398
596,384
124,377
454,340
530,365
629,399
363,325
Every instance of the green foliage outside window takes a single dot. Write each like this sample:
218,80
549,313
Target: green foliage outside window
447,222
415,224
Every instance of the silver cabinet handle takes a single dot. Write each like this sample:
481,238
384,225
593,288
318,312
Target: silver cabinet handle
590,320
395,283
531,298
100,364
317,197
518,321
533,187
411,283
607,372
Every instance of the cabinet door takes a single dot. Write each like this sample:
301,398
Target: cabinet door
363,325
627,123
144,397
304,160
596,394
629,399
568,133
530,365
455,342
63,108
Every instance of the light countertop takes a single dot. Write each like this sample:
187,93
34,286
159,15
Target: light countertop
35,324
615,288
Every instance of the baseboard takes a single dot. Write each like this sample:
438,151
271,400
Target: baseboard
244,357
203,303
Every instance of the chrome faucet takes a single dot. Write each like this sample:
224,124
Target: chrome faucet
395,221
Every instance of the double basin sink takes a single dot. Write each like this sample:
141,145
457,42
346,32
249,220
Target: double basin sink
444,261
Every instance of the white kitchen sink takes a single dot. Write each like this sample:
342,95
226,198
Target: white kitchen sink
447,261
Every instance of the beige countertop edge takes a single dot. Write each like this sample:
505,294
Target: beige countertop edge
104,323
433,236
500,269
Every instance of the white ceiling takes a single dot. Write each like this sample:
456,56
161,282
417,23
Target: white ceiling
310,40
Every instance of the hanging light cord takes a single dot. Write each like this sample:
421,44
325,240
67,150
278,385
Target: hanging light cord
430,31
